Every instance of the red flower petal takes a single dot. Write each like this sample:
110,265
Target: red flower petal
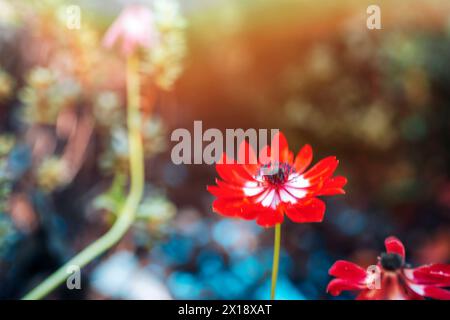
374,294
322,170
307,210
348,271
393,245
281,152
225,192
433,274
333,186
330,192
246,153
436,293
265,155
234,208
268,217
232,172
336,286
303,159
247,157
335,182
225,169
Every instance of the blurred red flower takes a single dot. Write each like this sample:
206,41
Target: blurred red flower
396,281
134,27
248,190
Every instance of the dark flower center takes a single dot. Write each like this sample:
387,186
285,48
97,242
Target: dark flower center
276,174
391,261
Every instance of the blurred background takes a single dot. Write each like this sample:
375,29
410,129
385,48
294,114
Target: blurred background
377,99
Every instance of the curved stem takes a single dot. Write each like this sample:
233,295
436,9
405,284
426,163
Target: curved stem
276,259
127,215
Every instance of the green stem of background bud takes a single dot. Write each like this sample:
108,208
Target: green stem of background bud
127,215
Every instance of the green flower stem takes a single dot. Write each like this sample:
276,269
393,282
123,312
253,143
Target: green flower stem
127,215
276,260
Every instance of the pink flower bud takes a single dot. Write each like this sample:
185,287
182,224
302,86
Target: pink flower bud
134,27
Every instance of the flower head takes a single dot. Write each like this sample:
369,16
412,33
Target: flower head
396,280
135,27
274,184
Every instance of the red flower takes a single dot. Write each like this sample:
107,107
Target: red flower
396,280
248,190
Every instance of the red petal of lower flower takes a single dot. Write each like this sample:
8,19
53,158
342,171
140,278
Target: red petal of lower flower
436,293
393,245
308,210
348,271
434,274
375,294
336,286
